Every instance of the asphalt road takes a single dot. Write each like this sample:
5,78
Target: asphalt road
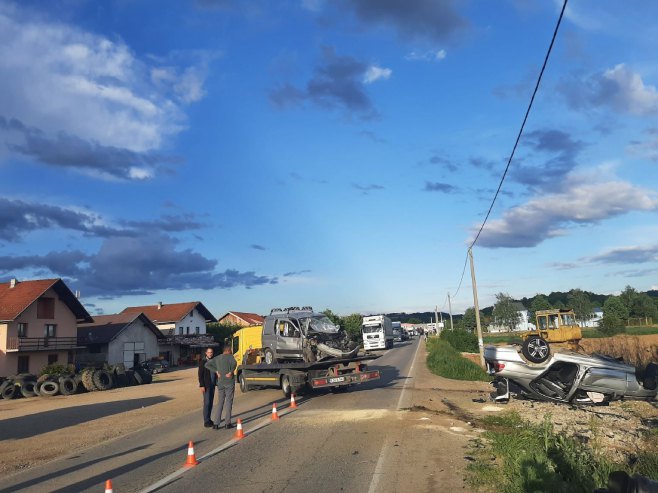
331,442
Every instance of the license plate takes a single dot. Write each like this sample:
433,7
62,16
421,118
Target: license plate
336,379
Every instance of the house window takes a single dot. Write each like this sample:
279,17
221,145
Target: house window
46,308
52,359
180,330
192,314
188,331
22,330
196,330
23,364
70,357
50,330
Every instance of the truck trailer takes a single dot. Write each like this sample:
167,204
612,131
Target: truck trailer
377,332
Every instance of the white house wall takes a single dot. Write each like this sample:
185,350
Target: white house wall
135,332
191,322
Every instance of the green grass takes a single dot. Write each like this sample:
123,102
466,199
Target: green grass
445,361
534,458
502,339
516,456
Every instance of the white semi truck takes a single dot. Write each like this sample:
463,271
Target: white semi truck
377,332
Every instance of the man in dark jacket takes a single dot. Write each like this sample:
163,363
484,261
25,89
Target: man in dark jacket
224,367
207,385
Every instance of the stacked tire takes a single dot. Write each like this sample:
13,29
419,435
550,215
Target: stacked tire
89,379
23,385
142,375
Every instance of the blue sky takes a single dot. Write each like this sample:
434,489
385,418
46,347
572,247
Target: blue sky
339,154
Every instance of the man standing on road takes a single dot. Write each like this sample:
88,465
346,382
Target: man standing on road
207,382
224,367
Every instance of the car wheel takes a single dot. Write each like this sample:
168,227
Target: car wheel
10,391
269,356
243,383
285,385
28,388
67,386
49,388
536,349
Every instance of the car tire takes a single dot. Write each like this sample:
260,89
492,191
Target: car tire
67,385
285,385
88,380
244,387
147,377
139,378
4,384
28,388
268,356
10,391
49,388
103,380
535,349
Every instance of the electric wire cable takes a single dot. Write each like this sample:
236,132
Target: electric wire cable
525,119
516,143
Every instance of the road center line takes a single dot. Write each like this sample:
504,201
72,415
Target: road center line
167,479
409,376
377,474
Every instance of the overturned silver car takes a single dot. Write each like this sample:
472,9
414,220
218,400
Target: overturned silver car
294,334
568,376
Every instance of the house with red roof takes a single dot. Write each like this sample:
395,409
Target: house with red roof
38,325
126,338
183,325
243,319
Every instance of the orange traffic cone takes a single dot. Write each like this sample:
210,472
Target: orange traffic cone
108,486
293,404
238,431
275,416
191,458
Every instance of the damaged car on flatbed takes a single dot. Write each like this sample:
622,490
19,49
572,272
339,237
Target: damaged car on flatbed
568,376
300,334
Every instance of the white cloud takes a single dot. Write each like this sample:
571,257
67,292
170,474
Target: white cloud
374,73
632,94
549,215
59,78
427,56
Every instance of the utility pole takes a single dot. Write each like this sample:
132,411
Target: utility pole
450,310
477,309
436,320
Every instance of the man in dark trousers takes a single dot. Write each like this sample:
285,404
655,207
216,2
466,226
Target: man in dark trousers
224,367
207,382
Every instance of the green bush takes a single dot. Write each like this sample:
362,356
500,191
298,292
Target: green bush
445,361
462,340
57,370
612,325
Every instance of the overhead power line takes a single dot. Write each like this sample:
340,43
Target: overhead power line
516,143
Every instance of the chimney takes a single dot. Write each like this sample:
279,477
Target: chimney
77,294
159,304
13,282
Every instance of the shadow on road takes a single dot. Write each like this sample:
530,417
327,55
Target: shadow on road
36,424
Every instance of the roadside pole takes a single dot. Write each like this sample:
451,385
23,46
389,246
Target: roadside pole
477,308
450,310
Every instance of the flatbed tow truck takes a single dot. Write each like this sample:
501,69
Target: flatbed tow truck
294,376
